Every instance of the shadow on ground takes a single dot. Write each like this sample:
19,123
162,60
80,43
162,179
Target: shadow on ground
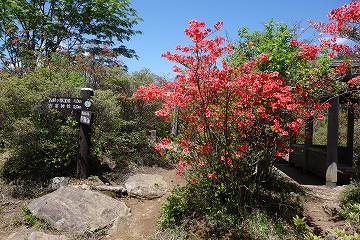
297,174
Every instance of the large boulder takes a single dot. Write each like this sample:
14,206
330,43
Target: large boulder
146,186
72,209
36,235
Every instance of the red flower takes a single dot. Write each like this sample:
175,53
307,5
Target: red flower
264,56
211,175
157,146
320,116
354,80
166,141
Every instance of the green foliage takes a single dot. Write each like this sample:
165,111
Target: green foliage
300,223
350,205
351,194
43,142
273,40
311,236
122,122
28,217
283,57
343,236
32,29
173,210
209,214
32,220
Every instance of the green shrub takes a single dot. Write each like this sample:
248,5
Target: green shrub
28,217
350,205
44,142
269,215
173,210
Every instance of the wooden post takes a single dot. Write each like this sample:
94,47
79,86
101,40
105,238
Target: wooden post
82,169
309,132
332,143
153,135
350,136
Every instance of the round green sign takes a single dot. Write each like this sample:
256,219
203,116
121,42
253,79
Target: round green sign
87,103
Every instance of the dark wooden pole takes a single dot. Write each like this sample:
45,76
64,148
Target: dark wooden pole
309,132
350,136
82,169
332,143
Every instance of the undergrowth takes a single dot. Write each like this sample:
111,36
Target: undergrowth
269,215
350,205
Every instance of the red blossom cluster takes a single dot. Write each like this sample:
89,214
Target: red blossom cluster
344,21
341,25
227,106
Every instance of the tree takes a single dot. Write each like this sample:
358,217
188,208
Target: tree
293,65
33,29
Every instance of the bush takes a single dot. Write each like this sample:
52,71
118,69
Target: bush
43,142
172,212
350,205
270,214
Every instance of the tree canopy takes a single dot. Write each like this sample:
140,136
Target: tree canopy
33,29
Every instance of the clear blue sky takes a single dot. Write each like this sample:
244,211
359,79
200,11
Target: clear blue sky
165,21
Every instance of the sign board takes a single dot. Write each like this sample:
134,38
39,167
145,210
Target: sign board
85,117
85,105
67,103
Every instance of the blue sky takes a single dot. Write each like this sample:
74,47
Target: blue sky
165,21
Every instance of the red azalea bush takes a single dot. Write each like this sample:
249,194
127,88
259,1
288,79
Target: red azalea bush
234,120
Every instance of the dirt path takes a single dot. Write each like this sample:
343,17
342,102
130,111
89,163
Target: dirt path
145,213
321,204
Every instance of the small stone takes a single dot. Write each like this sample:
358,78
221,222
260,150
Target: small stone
57,182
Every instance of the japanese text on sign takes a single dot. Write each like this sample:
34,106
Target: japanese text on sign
85,117
65,103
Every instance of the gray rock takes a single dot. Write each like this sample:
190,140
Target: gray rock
57,182
71,209
331,208
115,189
36,235
330,234
22,235
146,186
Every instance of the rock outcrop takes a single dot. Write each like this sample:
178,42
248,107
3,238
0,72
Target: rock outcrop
71,209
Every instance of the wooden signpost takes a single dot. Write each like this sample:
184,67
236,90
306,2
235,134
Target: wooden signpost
83,104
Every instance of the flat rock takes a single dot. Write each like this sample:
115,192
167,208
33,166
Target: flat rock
115,189
71,209
146,186
36,235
